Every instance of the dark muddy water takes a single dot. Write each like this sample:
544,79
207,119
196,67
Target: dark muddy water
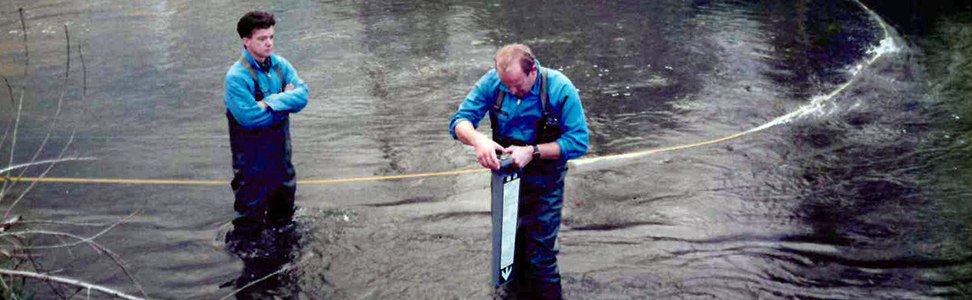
851,183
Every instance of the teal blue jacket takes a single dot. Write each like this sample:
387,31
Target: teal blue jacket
240,93
520,117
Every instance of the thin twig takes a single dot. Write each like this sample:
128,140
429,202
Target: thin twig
50,129
6,128
60,102
37,267
121,264
67,145
70,281
79,224
44,174
284,268
3,283
80,239
84,80
70,253
20,105
49,161
17,264
9,91
23,25
90,241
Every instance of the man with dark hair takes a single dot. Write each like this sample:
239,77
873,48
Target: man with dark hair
538,120
262,90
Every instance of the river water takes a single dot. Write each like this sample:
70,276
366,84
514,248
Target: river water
851,180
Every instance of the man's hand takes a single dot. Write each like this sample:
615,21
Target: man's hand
262,105
486,150
289,87
521,155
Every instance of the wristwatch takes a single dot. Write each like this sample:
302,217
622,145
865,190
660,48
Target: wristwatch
536,151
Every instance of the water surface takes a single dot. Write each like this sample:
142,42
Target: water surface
863,195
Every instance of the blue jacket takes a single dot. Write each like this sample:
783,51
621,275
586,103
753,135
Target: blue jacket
519,119
240,92
260,138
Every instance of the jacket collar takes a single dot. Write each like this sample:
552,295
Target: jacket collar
262,67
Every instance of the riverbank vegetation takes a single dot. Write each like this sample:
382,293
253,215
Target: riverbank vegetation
30,250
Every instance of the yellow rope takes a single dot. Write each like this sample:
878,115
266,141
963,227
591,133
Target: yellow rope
225,182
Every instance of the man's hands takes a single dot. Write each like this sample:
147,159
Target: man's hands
486,150
263,105
521,155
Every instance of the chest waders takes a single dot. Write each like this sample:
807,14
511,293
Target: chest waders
542,125
264,180
505,188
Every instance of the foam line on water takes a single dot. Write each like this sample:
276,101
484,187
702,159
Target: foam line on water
816,105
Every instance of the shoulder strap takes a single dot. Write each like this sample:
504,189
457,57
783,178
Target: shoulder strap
248,67
543,93
283,80
543,89
256,83
500,95
497,109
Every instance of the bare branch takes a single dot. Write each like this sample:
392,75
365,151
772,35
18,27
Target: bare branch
69,281
84,80
80,239
9,222
121,264
60,101
23,25
50,129
79,224
14,238
9,90
3,283
42,175
90,241
20,105
37,267
49,161
70,253
66,145
6,128
284,268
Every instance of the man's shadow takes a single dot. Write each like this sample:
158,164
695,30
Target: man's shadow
268,255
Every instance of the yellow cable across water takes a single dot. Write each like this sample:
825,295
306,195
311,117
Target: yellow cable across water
573,163
204,182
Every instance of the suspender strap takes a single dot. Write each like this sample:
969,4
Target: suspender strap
497,109
499,101
500,95
543,93
256,83
543,89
